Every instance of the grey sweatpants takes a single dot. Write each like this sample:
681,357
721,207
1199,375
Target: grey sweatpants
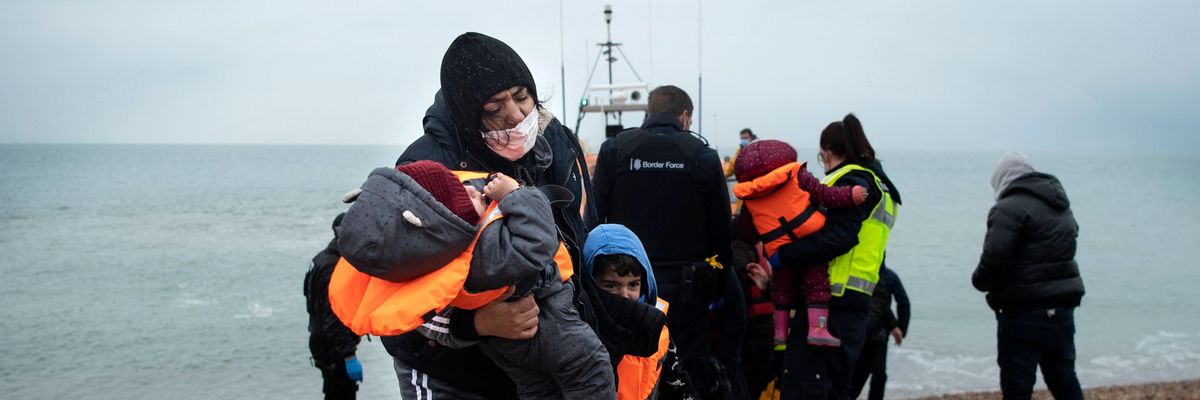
565,360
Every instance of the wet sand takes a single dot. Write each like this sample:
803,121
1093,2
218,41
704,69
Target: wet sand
1189,389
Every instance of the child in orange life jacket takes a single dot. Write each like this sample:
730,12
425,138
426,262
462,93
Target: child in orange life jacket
564,359
619,265
783,199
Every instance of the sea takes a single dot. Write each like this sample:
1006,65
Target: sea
176,271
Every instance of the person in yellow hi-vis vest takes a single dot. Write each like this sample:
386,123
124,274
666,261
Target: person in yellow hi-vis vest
615,259
853,242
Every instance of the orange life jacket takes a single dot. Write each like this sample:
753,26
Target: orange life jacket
782,211
637,377
369,305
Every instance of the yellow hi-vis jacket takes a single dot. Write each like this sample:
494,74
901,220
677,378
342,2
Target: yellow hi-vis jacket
858,269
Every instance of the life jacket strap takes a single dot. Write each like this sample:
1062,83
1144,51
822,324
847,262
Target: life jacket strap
786,227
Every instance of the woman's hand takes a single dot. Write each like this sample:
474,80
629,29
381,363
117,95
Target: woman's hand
501,185
516,320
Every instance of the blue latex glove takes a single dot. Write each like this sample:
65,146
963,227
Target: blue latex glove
354,369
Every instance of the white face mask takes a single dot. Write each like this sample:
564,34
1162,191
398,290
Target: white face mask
521,138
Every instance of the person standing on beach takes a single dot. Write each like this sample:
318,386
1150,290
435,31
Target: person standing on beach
332,344
665,184
754,274
853,242
1032,282
881,323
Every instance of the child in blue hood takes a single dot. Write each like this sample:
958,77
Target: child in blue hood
615,259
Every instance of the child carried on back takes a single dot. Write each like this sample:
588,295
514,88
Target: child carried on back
420,240
783,199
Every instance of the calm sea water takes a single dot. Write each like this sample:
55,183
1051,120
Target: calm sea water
176,271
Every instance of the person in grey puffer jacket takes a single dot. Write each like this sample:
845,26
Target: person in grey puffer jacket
1032,282
420,216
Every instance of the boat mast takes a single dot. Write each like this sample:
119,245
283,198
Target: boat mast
619,97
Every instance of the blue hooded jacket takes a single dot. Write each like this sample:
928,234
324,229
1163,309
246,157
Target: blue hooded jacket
617,239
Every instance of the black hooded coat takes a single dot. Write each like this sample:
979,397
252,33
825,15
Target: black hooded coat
1028,260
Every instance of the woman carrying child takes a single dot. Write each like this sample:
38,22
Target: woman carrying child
487,117
852,241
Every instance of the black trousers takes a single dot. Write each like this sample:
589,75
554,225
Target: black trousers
338,385
872,363
818,372
688,320
1029,339
758,354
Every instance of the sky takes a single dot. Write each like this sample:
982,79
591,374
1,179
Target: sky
1091,76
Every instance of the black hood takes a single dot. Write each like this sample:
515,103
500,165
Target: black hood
1042,186
438,126
877,168
475,68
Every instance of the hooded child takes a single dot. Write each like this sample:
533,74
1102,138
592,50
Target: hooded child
615,259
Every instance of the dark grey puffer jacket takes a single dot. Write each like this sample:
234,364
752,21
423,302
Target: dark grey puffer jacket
1028,260
397,231
518,249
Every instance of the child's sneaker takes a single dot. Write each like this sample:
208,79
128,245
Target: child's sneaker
818,328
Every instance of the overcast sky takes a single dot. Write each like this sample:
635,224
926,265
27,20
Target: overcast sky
1097,76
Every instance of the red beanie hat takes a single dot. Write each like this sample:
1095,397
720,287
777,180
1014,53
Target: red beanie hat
760,157
444,186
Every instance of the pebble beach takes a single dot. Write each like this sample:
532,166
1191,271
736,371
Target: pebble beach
1189,389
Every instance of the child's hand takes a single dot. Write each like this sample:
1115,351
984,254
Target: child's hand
500,186
758,274
859,194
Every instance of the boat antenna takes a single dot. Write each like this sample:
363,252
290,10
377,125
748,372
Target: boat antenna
699,67
562,56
